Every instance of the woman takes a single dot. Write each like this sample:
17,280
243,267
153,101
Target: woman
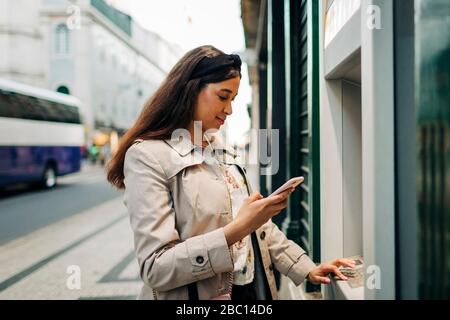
199,231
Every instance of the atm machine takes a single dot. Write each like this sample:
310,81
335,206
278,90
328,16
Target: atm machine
356,130
353,288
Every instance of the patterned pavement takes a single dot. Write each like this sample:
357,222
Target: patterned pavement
86,256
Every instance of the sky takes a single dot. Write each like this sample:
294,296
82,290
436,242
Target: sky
191,23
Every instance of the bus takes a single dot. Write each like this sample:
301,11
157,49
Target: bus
41,135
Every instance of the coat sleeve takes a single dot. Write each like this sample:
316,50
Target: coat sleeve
166,262
288,257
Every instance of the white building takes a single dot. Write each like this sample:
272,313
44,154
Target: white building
88,49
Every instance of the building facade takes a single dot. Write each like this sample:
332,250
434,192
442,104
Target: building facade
359,91
88,49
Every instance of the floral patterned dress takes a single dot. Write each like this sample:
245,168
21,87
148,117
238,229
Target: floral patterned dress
243,255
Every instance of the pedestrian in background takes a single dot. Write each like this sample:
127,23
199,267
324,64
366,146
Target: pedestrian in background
94,153
200,232
105,153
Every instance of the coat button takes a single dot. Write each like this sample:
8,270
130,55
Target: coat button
244,270
199,259
262,235
270,268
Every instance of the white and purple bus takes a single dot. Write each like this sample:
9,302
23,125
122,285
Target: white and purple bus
41,135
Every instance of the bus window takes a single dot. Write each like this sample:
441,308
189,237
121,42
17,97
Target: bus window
40,131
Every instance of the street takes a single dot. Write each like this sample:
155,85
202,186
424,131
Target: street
72,242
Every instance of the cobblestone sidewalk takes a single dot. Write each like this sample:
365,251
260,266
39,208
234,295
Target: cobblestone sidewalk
87,256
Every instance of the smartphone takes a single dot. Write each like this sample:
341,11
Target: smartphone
292,183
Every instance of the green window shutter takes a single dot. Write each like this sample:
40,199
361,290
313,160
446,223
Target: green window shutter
309,160
304,160
303,130
433,132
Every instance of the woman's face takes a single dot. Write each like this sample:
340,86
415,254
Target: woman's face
214,103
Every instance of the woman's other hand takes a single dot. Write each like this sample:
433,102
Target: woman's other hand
319,275
254,212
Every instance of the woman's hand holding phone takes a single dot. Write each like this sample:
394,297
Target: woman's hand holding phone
255,211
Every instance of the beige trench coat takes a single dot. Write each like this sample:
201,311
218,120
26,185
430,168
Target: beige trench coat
178,205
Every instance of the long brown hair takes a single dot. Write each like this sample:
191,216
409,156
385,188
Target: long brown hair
171,107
